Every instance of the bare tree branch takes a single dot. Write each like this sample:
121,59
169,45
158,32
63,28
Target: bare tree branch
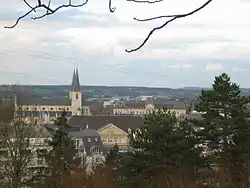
111,9
173,17
19,146
25,1
49,10
145,1
52,11
20,18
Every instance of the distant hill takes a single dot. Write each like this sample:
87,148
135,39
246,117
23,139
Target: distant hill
108,91
196,88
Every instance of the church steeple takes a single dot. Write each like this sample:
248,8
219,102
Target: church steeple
75,94
75,86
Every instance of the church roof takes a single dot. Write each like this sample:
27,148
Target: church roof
54,101
75,86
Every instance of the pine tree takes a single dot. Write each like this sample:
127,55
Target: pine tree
113,155
63,152
165,149
225,129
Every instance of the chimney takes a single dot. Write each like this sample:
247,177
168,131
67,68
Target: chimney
87,126
82,127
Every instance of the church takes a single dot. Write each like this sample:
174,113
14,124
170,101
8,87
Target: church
46,109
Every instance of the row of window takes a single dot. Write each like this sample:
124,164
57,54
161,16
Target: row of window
138,112
113,140
37,113
78,142
129,112
44,109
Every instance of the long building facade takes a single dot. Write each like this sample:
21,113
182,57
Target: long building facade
46,109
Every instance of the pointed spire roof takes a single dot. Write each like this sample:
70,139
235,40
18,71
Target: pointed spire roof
75,86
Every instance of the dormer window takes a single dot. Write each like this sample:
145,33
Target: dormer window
96,139
89,140
129,131
77,142
96,150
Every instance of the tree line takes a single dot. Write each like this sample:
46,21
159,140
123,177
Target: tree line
212,151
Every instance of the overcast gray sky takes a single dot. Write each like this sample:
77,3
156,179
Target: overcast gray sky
189,52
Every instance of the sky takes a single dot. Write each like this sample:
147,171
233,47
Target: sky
188,52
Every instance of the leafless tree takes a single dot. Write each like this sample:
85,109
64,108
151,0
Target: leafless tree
46,6
21,155
6,113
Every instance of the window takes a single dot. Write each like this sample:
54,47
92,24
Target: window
41,156
67,109
96,139
115,140
27,141
129,131
96,150
123,140
110,140
27,108
77,96
51,108
89,140
43,108
41,152
77,142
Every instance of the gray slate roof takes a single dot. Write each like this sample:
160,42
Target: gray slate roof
171,105
85,132
46,101
96,122
75,86
95,141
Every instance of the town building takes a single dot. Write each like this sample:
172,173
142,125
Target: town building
138,109
89,147
46,109
113,130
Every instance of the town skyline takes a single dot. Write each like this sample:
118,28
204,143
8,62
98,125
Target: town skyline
187,53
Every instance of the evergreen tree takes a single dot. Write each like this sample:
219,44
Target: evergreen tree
164,147
225,129
63,153
113,155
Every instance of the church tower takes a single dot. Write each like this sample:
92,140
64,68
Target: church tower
75,95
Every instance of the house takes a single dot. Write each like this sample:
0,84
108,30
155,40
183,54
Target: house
89,146
112,129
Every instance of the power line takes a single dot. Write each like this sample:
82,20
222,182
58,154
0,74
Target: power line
71,61
26,76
